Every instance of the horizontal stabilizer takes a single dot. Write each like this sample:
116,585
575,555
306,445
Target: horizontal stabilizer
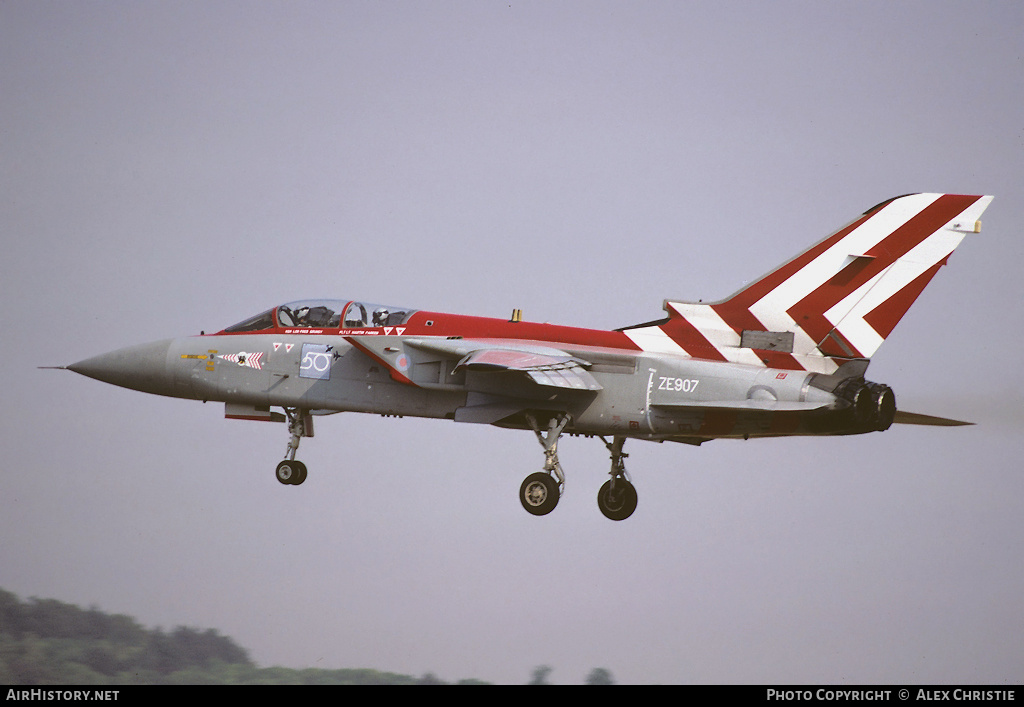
914,418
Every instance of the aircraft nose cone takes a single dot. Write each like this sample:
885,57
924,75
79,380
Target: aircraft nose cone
143,367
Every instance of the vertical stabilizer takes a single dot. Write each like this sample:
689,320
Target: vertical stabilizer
836,301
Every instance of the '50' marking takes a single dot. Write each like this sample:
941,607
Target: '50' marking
685,385
316,361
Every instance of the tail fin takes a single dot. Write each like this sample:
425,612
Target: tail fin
836,301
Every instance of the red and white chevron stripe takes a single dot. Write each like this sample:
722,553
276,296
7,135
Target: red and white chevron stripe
250,360
840,298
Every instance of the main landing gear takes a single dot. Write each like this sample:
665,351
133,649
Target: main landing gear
540,492
300,424
617,497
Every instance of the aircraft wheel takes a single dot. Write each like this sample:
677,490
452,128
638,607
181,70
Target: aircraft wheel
291,473
539,493
620,504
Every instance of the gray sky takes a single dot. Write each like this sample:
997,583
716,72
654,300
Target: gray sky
177,166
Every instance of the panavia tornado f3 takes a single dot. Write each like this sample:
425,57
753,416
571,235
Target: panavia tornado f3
786,355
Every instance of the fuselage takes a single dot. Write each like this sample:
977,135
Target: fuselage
409,365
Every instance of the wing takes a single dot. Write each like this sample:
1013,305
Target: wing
548,369
505,378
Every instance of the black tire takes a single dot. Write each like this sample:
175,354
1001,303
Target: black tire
539,493
621,504
290,472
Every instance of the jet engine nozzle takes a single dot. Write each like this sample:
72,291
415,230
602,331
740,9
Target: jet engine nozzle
883,406
872,405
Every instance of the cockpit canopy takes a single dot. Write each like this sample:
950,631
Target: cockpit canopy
324,314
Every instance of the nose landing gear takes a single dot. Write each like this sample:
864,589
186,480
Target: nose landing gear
300,424
291,472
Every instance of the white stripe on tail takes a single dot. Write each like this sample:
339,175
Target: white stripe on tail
836,301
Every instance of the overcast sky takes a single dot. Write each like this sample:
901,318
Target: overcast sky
171,167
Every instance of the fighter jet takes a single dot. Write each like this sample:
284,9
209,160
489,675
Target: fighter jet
785,355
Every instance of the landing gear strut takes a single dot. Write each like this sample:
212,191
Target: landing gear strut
300,424
540,492
617,497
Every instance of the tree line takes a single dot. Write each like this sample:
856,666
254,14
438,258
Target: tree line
48,642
